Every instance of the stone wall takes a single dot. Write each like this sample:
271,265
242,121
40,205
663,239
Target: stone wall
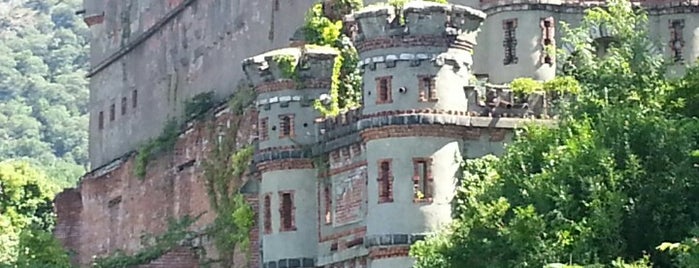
111,208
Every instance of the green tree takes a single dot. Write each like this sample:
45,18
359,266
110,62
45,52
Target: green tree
614,180
26,218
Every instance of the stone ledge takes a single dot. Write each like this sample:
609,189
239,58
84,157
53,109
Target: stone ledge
371,241
291,263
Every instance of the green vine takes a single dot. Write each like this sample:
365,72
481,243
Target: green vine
195,107
326,29
165,142
224,174
287,64
177,232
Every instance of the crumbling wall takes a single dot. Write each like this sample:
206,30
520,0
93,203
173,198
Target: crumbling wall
111,208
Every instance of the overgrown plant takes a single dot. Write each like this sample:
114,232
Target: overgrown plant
165,142
326,29
224,175
287,64
156,246
198,105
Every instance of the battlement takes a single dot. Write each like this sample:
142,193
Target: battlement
501,101
417,23
306,66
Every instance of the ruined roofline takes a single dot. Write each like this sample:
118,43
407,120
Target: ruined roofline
424,7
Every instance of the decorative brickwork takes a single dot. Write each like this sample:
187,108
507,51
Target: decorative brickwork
423,182
548,41
287,84
676,39
385,181
428,88
383,90
510,41
285,164
356,232
450,131
287,211
389,252
408,41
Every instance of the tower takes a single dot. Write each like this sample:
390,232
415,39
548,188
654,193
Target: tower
286,82
416,64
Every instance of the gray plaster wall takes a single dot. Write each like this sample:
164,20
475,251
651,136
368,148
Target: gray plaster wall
302,242
200,50
303,120
403,216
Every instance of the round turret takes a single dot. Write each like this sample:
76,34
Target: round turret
287,81
416,64
428,44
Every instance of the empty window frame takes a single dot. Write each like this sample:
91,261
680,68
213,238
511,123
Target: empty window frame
328,204
124,103
676,39
383,90
428,88
287,211
548,42
112,112
422,179
100,120
385,181
510,41
286,125
263,129
267,218
134,98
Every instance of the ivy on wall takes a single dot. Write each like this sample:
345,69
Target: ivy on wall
224,174
157,246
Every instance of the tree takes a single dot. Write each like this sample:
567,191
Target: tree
26,218
613,181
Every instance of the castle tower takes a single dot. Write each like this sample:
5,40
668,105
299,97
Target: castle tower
286,82
416,62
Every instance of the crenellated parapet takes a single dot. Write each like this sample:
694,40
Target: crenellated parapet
304,67
417,23
501,101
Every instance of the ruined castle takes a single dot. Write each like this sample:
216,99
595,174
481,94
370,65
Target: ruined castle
354,190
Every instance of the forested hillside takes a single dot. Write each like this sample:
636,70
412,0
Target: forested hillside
43,89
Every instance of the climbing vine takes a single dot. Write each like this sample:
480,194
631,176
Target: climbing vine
165,142
157,246
224,174
323,28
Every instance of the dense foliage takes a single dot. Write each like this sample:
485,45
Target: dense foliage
43,89
26,218
615,179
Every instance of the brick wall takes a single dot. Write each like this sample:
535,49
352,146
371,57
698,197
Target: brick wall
111,208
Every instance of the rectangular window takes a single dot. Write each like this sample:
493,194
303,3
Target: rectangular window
385,181
428,89
383,90
422,179
286,125
510,41
100,120
548,42
676,39
263,129
134,98
328,204
112,112
268,214
123,105
276,5
286,211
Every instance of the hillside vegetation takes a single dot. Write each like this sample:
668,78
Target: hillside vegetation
43,89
